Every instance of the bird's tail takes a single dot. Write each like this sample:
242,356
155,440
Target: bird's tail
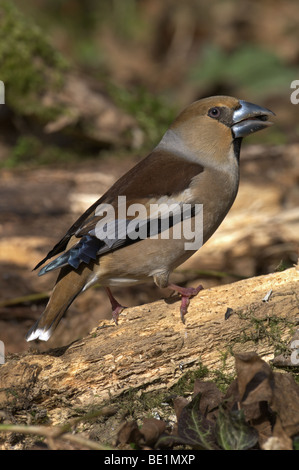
69,284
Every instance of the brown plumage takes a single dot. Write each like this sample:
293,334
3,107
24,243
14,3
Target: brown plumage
195,163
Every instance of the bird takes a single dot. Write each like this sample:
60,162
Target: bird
193,169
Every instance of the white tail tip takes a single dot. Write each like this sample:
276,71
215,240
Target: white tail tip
39,333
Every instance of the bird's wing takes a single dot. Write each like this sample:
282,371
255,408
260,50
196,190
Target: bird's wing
161,178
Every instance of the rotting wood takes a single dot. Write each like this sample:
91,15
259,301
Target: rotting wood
151,348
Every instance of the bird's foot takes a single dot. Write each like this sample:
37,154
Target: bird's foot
186,294
116,312
116,307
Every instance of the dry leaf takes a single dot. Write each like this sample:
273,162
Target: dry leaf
151,430
211,397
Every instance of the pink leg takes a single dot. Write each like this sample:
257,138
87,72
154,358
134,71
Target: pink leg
116,307
186,293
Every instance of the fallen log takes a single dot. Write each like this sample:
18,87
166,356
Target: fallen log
151,349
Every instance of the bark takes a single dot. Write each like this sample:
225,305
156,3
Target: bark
150,349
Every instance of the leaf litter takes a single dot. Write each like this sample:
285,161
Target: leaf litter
260,410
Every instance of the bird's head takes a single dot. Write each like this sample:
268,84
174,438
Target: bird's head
211,125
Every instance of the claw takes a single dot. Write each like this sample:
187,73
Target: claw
116,307
186,294
116,312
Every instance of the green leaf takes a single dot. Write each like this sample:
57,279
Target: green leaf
233,432
193,429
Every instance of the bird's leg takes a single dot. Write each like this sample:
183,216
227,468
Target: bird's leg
116,307
186,294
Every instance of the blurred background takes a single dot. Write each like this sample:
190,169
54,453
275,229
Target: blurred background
90,88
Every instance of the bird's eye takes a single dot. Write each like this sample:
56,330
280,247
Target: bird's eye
214,113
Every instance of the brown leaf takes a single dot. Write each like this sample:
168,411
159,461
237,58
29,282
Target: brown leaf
211,396
151,430
270,400
285,402
179,403
232,397
264,427
279,440
255,379
263,422
255,388
129,433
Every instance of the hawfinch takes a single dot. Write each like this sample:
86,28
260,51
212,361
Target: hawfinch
159,213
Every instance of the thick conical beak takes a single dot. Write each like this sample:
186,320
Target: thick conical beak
250,118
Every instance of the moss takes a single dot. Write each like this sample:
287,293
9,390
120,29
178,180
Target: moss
29,150
29,65
186,383
266,327
134,403
152,113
